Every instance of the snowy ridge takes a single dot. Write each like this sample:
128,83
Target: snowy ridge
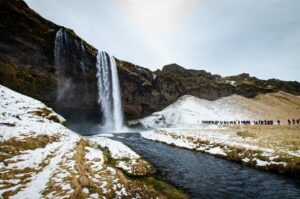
190,111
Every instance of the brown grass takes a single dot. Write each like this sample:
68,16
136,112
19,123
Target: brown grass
23,174
246,134
80,177
279,138
15,174
47,113
142,168
274,137
15,146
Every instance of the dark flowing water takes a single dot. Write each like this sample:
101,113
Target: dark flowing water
205,176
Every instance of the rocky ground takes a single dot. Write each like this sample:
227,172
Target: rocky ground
41,158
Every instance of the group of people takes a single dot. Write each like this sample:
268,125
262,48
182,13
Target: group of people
248,122
233,122
294,121
266,122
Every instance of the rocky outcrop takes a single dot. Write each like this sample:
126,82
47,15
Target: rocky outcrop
27,43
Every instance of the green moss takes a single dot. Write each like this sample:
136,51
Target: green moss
27,81
167,189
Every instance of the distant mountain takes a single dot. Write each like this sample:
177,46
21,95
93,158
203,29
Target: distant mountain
189,111
27,43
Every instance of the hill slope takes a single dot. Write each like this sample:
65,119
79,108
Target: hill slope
41,158
189,110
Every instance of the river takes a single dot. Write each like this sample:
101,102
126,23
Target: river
204,176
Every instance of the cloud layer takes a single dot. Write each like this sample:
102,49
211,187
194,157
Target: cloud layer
221,36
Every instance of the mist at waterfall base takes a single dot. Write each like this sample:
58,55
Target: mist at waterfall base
64,55
109,95
109,118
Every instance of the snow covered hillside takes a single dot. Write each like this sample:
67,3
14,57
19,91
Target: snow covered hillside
190,111
41,158
33,144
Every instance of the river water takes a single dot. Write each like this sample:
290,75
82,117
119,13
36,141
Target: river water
204,176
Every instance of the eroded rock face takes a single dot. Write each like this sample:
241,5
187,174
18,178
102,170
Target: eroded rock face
27,43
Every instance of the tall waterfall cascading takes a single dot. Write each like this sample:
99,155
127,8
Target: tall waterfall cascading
109,96
61,41
69,57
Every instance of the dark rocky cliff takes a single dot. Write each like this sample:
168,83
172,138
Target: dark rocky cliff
145,91
27,43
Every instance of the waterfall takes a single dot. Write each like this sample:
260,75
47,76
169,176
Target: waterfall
109,96
69,58
64,83
82,52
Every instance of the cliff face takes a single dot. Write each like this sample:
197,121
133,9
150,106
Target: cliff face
145,91
27,43
27,65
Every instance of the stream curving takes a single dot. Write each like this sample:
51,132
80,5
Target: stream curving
204,176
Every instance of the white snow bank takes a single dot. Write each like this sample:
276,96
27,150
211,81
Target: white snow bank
219,142
18,117
190,111
117,149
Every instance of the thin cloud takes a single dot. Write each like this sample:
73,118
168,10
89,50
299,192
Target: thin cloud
221,36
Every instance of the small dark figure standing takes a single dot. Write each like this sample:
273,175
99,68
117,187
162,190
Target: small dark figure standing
293,121
278,122
289,121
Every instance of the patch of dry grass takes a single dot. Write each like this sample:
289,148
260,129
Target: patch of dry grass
274,137
142,168
15,146
108,181
245,134
47,113
282,140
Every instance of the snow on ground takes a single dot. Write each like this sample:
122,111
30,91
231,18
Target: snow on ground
253,146
126,159
189,111
26,125
39,181
41,158
106,135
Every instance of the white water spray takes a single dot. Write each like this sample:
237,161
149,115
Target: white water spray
109,96
59,54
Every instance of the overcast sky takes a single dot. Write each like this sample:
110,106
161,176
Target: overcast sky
227,37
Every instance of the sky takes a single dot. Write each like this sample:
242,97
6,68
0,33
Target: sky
226,37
